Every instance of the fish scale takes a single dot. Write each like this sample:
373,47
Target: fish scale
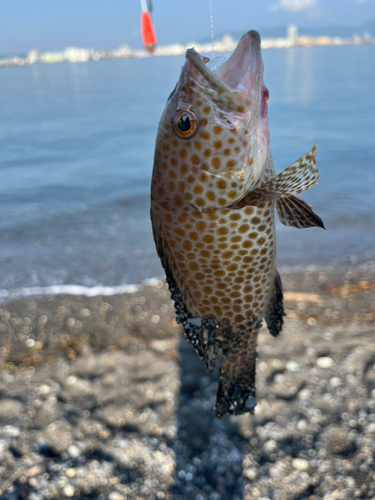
213,194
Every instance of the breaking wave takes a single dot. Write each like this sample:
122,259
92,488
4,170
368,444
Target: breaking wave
6,295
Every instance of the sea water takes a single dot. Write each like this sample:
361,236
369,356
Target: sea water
76,154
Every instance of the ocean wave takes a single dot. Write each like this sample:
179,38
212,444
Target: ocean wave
6,295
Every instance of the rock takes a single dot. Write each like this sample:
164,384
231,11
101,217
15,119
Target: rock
74,451
292,366
91,428
300,464
9,430
251,402
335,382
270,446
285,391
119,416
251,473
10,409
69,491
45,414
115,496
132,451
195,321
76,389
71,472
287,386
267,411
43,390
304,394
59,437
97,365
325,362
338,441
360,359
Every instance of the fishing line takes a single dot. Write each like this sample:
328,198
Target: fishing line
143,5
212,30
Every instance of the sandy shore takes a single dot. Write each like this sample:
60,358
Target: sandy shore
101,398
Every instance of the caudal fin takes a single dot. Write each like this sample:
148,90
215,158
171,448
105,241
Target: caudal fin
236,391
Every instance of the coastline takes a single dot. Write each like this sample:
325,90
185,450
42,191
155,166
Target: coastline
363,264
102,396
226,44
320,288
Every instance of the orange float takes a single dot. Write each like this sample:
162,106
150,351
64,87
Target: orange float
147,28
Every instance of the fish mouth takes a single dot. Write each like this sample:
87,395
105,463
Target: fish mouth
241,75
244,68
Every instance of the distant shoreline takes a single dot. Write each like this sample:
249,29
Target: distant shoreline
226,44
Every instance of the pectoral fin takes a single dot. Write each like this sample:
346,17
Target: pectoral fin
298,177
295,212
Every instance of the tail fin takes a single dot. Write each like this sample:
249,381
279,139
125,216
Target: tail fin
236,391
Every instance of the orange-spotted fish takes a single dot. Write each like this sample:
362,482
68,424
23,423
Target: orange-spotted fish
214,190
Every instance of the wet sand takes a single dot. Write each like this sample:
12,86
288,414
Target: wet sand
102,398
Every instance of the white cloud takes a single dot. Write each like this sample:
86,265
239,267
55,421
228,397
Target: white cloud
294,5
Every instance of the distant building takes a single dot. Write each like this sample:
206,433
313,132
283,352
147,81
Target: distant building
74,54
12,61
292,33
123,51
52,57
170,50
226,44
32,56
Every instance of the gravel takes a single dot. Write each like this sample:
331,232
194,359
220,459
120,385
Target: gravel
101,398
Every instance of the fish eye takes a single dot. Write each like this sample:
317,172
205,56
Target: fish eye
185,124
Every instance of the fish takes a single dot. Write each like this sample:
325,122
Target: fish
214,192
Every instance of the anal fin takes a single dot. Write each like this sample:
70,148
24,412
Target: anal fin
275,311
295,212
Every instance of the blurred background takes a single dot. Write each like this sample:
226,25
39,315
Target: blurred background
80,100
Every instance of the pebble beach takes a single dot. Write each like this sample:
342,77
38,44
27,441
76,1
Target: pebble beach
102,397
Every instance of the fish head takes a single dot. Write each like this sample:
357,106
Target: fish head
214,129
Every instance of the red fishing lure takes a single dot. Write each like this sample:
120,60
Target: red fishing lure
147,29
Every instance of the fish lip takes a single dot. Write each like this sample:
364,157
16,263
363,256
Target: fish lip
244,68
243,71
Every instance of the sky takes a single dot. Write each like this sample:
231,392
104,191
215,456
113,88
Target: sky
56,24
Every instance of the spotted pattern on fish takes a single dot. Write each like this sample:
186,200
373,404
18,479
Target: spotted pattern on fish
213,193
209,168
